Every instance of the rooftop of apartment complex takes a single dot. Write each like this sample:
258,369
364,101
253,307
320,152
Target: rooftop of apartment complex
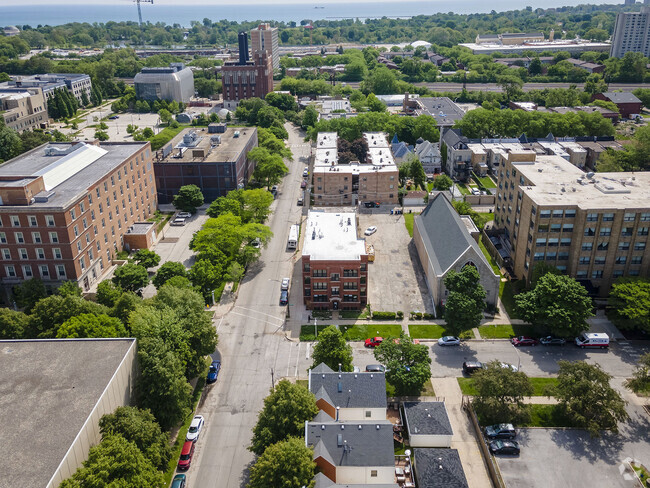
332,236
573,45
379,157
62,172
442,109
555,181
197,146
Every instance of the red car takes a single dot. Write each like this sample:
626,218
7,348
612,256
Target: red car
524,341
374,341
186,455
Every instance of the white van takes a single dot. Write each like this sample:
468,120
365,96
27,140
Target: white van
587,339
292,242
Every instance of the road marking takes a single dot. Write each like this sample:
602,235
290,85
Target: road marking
288,360
261,313
220,321
307,350
297,358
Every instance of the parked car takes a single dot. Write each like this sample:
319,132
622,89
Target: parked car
524,341
305,172
285,284
449,341
256,243
186,455
284,297
500,431
178,221
470,367
372,204
371,230
114,117
504,447
303,184
179,481
511,367
552,341
375,368
588,339
184,215
213,373
374,341
196,426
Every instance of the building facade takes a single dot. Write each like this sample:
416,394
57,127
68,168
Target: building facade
174,83
591,226
339,184
265,38
631,33
334,263
75,83
627,103
216,163
23,108
65,207
251,79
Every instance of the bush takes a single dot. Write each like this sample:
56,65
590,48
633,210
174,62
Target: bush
400,315
416,315
384,315
428,316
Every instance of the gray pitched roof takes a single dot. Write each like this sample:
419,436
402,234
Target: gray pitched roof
427,418
622,97
453,137
359,443
348,390
439,467
425,148
401,149
323,481
444,234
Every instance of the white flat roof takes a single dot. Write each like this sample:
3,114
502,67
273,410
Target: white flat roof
332,236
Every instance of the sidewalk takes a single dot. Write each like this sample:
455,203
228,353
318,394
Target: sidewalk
463,439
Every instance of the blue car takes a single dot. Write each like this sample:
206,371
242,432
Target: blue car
214,371
179,481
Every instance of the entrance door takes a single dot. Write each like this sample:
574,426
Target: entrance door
335,305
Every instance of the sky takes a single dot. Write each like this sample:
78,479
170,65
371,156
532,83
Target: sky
9,3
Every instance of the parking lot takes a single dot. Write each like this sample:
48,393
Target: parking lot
395,279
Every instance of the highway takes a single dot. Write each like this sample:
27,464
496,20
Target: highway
493,87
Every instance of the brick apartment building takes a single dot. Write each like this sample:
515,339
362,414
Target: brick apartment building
591,226
334,263
65,207
335,183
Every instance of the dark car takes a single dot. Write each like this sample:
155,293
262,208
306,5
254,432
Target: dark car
375,368
552,341
470,367
303,184
114,117
504,447
374,341
500,431
524,341
372,204
186,455
179,481
213,374
284,297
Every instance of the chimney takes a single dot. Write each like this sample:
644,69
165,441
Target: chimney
339,367
337,413
243,48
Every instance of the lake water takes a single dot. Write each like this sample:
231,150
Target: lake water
34,15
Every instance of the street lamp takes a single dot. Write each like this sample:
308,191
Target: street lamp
518,357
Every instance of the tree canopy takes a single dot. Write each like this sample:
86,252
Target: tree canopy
629,303
332,349
131,277
90,325
188,198
466,300
167,271
146,258
407,364
286,464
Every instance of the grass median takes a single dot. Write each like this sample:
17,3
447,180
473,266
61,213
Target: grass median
540,385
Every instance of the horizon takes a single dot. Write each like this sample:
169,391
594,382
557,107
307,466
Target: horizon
6,3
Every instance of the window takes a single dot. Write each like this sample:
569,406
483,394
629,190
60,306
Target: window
551,256
60,271
555,227
557,214
15,221
563,256
40,253
627,231
565,242
45,271
590,231
56,252
540,242
319,273
539,256
335,291
553,242
629,217
82,263
600,260
561,269
373,472
85,223
49,220
620,260
545,214
636,259
335,277
22,253
10,271
3,238
643,231
350,273
54,237
6,254
581,274
32,221
645,217
569,214
605,231
542,228
78,246
82,207
73,214
592,217
567,228
639,246
633,272
584,260
90,198
349,285
608,217
602,246
368,413
19,238
36,238
597,274
617,273
27,271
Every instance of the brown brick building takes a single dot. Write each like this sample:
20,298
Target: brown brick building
591,226
334,263
251,79
65,207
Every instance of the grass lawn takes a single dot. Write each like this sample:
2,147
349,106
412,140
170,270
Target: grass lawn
547,416
539,385
493,263
463,189
408,222
307,331
362,332
304,383
506,331
487,182
510,289
353,314
164,136
427,390
426,331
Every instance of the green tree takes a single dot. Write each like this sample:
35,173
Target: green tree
89,325
108,293
49,313
541,269
442,182
256,205
131,277
207,276
28,293
224,205
287,464
10,142
407,364
500,394
381,81
269,168
586,397
309,117
558,303
188,198
511,85
140,427
416,171
640,382
147,133
125,305
332,349
165,116
465,301
12,324
284,414
146,258
374,104
101,135
115,462
69,288
629,304
167,271
595,84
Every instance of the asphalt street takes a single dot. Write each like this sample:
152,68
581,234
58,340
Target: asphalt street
253,348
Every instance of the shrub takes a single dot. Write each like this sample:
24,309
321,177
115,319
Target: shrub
400,315
383,315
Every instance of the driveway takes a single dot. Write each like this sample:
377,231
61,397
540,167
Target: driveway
395,279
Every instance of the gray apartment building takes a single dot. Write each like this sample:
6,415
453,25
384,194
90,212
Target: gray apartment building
215,162
174,83
591,226
75,83
631,33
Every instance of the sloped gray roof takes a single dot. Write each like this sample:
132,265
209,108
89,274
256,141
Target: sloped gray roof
401,149
622,97
348,390
452,137
359,443
439,467
426,147
427,418
444,234
323,481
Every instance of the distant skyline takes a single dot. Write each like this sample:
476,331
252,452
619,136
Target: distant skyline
9,3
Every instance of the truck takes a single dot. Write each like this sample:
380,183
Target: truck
588,339
292,242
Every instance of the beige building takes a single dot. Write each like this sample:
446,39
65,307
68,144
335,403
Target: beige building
593,227
51,404
265,38
375,180
23,108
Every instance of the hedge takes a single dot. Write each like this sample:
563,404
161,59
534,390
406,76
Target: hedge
384,315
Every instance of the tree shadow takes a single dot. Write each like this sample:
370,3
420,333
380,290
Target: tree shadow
246,474
253,270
